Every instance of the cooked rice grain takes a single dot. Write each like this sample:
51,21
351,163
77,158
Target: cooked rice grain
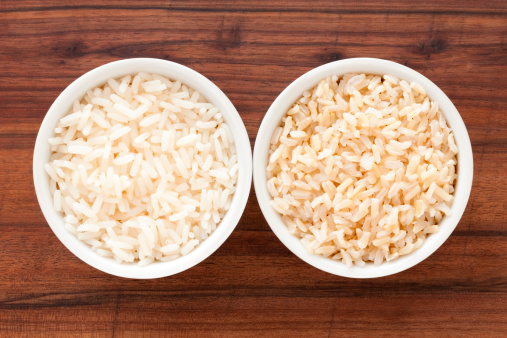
139,171
362,168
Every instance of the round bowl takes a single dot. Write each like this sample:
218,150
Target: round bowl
370,66
97,77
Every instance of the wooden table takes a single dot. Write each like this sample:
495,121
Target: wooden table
253,285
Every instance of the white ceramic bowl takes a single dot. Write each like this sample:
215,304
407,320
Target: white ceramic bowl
370,66
98,77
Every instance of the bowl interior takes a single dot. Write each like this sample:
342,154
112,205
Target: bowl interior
370,66
98,77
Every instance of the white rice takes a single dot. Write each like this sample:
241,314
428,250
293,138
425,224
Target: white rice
362,168
139,170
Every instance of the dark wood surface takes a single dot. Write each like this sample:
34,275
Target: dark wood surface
253,285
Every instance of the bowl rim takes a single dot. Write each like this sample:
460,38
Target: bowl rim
97,77
370,66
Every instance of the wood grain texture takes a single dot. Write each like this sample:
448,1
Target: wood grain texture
253,286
